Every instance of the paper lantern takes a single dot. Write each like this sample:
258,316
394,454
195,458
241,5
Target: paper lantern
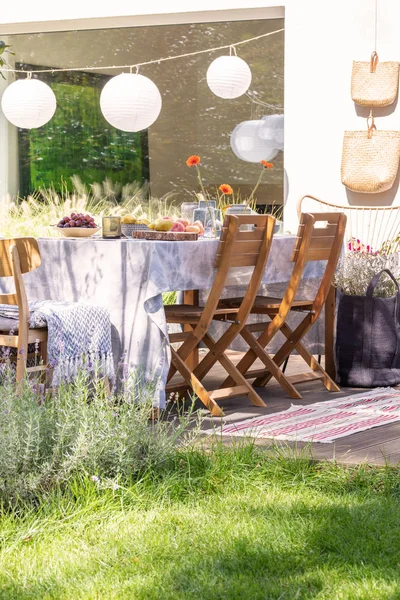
247,144
228,76
130,102
28,103
272,130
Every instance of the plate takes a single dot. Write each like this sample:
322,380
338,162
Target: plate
77,231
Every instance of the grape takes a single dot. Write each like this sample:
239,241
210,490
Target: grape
66,219
72,223
78,223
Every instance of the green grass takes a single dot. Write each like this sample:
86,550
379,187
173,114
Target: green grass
221,524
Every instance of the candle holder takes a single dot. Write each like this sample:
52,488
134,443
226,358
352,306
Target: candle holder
111,227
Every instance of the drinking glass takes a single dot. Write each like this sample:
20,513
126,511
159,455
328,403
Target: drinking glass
111,227
187,210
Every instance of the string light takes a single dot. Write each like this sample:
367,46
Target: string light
130,102
143,64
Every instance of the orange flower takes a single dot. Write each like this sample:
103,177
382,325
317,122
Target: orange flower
266,164
226,189
193,160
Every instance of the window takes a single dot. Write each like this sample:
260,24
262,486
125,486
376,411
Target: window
78,142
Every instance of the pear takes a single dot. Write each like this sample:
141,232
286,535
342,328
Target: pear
163,225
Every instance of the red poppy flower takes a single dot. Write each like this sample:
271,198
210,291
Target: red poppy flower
226,189
266,164
193,160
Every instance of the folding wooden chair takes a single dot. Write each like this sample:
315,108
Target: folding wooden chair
237,248
313,243
19,256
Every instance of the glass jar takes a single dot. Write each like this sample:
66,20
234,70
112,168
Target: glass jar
111,227
187,210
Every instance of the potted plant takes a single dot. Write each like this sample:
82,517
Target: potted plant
367,347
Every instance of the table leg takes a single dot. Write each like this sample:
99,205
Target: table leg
191,297
330,310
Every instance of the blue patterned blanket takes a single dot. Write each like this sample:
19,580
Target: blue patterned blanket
79,336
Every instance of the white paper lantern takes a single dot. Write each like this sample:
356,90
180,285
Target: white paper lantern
273,130
229,77
130,102
28,103
247,144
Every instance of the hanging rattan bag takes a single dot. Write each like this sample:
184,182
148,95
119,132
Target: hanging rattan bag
374,83
370,159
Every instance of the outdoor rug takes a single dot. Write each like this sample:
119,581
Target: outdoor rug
324,421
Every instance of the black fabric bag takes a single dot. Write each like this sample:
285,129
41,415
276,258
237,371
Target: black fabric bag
368,338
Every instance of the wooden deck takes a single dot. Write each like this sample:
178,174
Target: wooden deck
377,446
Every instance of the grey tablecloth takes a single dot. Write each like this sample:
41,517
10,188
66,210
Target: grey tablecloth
128,276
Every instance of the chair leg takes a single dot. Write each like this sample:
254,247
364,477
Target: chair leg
272,367
287,348
195,384
235,374
22,355
311,362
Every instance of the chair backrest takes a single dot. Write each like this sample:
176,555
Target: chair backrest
325,243
240,248
375,226
18,256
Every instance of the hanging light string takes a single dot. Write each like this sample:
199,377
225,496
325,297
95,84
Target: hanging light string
232,48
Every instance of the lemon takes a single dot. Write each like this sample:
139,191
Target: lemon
128,220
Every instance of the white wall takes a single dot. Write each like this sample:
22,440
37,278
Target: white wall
322,38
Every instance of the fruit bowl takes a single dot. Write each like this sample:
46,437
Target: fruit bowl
128,228
77,231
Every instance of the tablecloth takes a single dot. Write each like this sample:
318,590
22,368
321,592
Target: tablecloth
128,277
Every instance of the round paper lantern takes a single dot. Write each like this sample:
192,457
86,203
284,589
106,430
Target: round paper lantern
273,130
228,76
247,144
130,102
28,103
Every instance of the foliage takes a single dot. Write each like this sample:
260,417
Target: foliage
80,430
78,141
356,269
4,50
36,214
214,523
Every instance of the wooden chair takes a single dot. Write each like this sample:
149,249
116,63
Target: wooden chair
375,226
19,256
313,243
237,248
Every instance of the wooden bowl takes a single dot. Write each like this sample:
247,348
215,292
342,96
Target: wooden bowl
78,231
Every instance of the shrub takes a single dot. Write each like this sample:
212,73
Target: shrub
45,442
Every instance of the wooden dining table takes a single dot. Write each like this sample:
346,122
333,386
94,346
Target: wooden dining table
128,277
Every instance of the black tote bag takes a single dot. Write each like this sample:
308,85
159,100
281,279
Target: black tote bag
368,338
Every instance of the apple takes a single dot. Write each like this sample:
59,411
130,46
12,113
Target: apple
178,227
185,222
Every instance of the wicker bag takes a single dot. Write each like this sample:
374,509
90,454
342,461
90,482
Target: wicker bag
374,83
370,159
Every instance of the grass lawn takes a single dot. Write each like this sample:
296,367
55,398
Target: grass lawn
233,523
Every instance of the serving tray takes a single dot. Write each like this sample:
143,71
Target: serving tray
166,236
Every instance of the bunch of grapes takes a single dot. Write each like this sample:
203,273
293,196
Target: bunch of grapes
78,220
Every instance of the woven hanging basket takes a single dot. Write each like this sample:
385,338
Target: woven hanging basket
370,159
374,83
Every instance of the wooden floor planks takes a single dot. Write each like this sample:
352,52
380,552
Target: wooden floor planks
377,446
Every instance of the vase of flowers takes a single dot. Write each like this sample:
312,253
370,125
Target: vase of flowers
225,199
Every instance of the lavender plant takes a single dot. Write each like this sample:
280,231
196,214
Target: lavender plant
356,269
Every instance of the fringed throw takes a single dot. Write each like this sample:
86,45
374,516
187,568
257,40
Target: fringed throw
79,336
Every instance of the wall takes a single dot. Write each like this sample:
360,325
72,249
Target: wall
321,40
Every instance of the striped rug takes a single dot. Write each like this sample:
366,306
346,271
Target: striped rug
324,421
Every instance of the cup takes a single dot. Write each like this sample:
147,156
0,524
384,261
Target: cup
111,227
